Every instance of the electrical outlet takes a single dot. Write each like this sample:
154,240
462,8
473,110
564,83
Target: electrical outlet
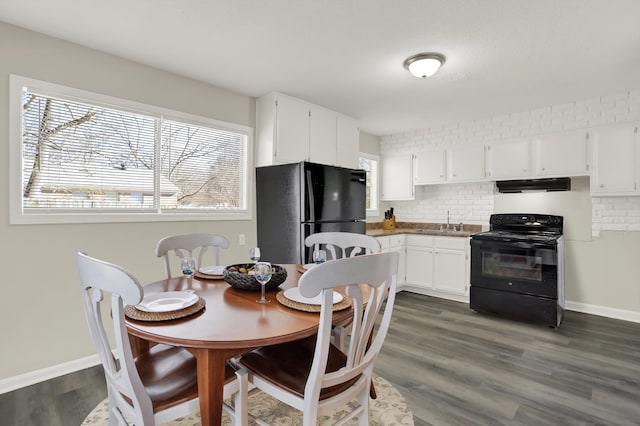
241,239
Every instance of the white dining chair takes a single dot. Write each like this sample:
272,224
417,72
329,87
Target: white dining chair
189,244
312,374
342,244
158,385
339,245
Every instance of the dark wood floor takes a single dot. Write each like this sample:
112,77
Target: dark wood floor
63,401
454,367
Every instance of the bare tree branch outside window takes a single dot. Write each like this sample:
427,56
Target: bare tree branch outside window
86,156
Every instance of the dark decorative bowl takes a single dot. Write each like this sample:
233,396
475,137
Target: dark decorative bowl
240,281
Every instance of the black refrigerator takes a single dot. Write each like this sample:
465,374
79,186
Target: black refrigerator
296,200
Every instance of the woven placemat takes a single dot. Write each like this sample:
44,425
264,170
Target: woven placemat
132,312
202,276
344,304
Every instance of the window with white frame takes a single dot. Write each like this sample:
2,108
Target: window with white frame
82,157
369,163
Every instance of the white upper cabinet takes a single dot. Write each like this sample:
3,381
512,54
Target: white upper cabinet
322,135
397,177
562,154
508,159
461,163
466,163
348,143
282,130
430,167
616,158
290,130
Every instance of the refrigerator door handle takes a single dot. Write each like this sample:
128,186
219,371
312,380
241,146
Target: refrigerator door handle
309,191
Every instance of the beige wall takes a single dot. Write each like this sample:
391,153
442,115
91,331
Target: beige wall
41,317
369,143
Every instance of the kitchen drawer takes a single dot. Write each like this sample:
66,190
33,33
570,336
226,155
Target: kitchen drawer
420,240
396,240
384,243
451,243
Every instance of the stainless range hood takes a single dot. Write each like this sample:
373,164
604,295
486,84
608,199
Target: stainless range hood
550,184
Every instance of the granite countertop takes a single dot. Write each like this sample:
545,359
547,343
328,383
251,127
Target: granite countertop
375,229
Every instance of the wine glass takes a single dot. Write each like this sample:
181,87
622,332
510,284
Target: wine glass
254,254
262,273
188,266
319,256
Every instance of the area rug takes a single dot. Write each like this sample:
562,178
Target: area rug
389,408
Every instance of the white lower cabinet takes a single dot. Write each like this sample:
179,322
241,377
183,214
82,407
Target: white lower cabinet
396,243
419,267
438,266
419,262
449,270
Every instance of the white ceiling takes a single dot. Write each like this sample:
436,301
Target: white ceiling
502,55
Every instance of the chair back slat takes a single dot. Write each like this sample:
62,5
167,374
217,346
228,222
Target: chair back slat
187,244
339,245
159,384
97,278
378,271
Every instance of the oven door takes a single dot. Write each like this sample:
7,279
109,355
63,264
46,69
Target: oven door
515,266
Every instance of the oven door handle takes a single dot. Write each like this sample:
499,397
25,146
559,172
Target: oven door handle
513,244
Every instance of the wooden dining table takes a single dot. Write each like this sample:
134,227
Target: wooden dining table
231,323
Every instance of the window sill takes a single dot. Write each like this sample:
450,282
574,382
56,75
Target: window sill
56,218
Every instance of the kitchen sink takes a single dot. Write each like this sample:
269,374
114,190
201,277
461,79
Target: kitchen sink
437,231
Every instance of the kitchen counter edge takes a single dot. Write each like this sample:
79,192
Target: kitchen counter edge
375,230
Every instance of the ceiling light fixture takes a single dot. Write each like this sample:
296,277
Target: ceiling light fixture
424,64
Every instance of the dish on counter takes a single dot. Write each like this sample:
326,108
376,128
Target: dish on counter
308,266
167,301
294,294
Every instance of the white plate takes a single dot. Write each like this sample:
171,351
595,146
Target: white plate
294,294
167,301
212,270
308,266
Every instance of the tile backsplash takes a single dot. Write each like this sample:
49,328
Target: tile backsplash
474,203
469,203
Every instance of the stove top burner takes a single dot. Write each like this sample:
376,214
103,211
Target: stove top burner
523,228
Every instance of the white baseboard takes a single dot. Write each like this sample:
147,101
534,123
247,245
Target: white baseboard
16,382
603,311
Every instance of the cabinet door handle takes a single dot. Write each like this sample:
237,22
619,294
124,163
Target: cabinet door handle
602,185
